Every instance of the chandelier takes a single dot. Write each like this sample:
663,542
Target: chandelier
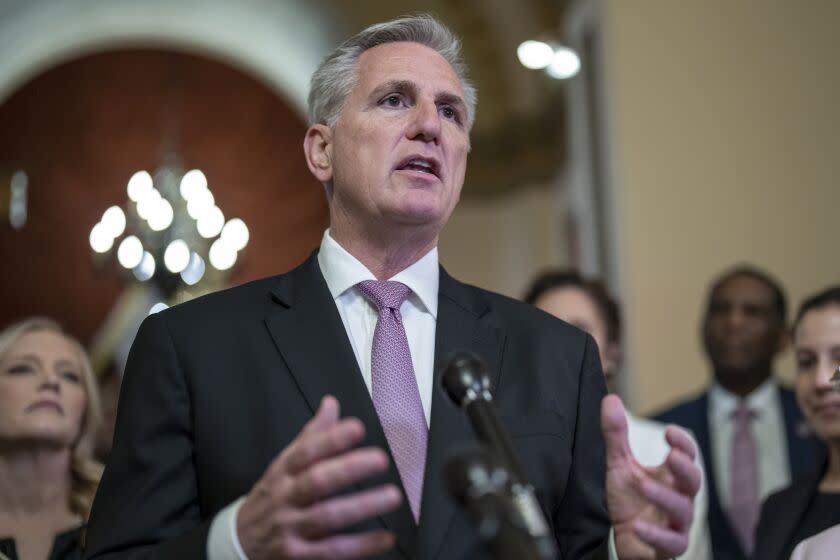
169,230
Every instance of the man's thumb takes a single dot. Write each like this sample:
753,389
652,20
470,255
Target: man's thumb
614,428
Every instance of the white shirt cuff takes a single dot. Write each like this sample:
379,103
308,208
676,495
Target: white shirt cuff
222,540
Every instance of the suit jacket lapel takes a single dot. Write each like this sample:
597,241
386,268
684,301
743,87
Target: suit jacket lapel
312,341
461,325
780,529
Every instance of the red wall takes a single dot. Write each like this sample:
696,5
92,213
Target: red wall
81,129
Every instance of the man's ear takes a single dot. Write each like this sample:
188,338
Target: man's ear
317,147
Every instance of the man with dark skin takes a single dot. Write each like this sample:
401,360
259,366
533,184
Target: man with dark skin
743,331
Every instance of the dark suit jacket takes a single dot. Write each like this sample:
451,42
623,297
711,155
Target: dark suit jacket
802,453
781,516
217,387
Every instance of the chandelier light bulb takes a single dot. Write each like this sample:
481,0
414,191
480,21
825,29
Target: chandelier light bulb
177,256
535,55
148,203
210,223
192,182
564,64
101,240
159,306
146,269
222,255
130,252
161,216
114,221
139,185
200,203
235,233
194,271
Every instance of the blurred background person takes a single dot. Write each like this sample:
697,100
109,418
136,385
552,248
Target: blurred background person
49,417
749,427
588,305
812,504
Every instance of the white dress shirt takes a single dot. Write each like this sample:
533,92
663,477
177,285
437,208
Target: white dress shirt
768,423
342,271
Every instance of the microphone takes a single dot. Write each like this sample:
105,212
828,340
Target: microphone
480,484
466,382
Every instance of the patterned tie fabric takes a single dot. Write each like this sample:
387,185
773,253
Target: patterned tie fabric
745,502
395,394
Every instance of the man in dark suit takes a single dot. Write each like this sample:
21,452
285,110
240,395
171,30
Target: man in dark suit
744,329
229,438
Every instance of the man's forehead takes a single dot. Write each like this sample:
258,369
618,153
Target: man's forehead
405,61
743,287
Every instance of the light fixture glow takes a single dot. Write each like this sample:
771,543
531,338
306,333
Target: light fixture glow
222,255
177,256
192,182
210,223
161,216
101,240
158,307
535,54
148,203
139,185
235,233
113,220
564,65
130,252
146,269
200,203
194,271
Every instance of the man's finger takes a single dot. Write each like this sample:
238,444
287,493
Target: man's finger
677,438
686,474
331,475
343,547
668,543
677,507
327,414
313,446
614,427
329,516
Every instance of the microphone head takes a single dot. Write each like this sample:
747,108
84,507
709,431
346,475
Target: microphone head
465,378
473,473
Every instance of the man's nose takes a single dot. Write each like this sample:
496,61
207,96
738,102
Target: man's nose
425,122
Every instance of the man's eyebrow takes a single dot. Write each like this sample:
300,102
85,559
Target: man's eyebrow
402,86
455,100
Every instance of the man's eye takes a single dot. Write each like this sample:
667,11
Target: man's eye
392,101
449,113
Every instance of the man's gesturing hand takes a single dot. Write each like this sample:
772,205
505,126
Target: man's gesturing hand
291,512
651,508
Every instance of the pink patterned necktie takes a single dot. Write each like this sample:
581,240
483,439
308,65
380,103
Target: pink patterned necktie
744,499
395,394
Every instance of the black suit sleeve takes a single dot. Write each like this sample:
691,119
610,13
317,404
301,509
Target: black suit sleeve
581,519
147,502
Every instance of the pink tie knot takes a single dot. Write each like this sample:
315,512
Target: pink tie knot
384,295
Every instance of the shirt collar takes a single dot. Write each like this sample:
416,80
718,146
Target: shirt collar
723,402
342,271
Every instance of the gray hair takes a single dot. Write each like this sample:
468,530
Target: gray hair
335,77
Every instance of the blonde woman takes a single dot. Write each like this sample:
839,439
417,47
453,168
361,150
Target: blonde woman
49,416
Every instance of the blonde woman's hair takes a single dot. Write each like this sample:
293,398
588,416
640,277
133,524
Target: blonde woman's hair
85,471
